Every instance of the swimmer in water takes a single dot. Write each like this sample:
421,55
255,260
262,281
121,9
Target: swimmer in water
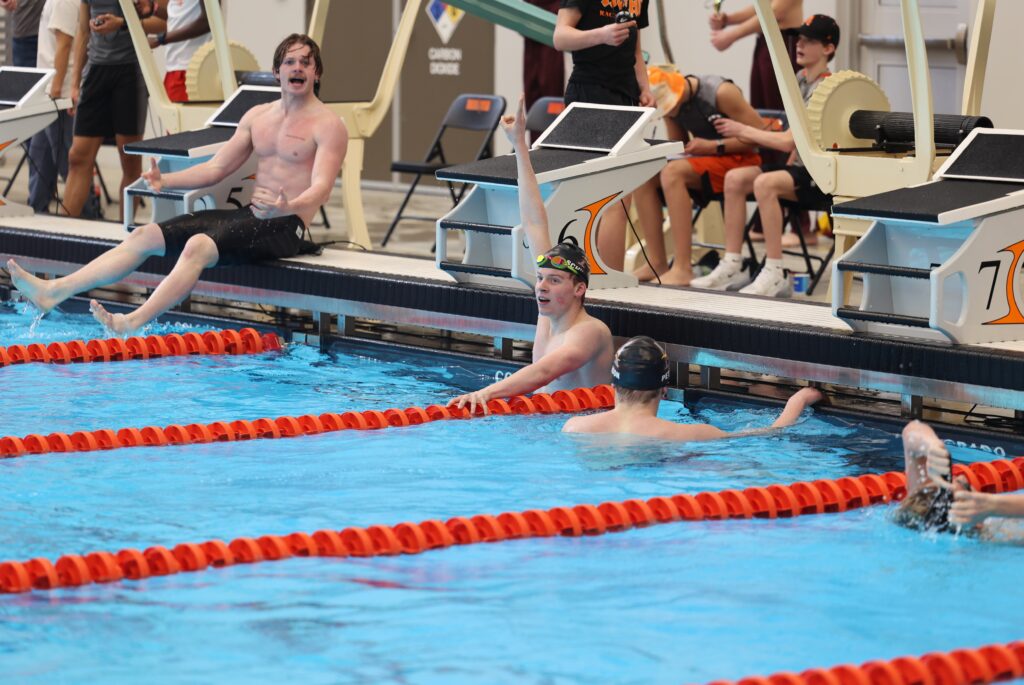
640,375
299,145
936,502
571,349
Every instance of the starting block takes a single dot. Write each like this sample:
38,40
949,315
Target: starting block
25,109
590,158
182,150
943,260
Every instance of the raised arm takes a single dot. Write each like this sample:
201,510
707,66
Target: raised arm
578,348
732,26
531,204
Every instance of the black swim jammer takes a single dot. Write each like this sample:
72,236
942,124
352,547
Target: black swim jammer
240,237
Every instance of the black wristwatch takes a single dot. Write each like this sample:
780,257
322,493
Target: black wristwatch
721,147
161,39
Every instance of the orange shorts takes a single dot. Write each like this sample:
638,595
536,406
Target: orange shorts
717,165
174,84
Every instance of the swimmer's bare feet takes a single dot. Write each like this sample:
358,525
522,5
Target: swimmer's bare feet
677,276
645,273
36,290
118,323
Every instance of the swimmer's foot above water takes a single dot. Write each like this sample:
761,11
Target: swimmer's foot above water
35,290
118,323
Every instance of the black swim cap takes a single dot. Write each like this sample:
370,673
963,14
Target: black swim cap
640,364
566,257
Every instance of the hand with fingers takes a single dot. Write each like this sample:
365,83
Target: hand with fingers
971,508
106,24
472,400
153,177
267,205
616,34
729,128
514,125
938,467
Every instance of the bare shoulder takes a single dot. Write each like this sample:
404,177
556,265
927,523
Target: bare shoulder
593,326
328,120
260,111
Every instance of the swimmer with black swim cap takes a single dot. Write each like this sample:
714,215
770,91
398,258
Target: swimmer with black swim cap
640,374
571,349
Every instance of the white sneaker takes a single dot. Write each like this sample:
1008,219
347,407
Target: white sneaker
770,283
726,276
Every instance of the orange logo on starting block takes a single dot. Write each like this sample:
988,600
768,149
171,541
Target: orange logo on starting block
1014,315
593,209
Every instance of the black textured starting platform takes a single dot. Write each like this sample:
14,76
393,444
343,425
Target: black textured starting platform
992,155
502,170
927,202
179,144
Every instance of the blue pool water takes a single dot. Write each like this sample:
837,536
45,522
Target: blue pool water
687,602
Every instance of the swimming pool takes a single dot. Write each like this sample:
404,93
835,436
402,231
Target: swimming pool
686,602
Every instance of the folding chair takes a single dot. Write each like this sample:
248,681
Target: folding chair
468,113
542,114
791,211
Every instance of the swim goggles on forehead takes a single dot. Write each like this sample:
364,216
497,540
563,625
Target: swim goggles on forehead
561,263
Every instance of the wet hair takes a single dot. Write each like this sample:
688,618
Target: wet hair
314,53
640,364
926,510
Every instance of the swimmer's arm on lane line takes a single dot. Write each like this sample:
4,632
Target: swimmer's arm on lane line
331,139
531,204
227,160
574,353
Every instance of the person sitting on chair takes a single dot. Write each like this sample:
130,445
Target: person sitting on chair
819,37
300,145
571,349
690,106
640,375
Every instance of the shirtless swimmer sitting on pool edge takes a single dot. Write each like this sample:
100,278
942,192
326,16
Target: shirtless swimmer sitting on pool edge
571,349
640,374
300,145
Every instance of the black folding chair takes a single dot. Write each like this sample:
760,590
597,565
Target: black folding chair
542,114
467,113
791,211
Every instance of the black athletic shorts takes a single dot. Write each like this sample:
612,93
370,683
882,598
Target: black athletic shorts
808,193
112,102
598,95
240,237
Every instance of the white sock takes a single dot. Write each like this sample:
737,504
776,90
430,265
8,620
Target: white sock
733,258
773,264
